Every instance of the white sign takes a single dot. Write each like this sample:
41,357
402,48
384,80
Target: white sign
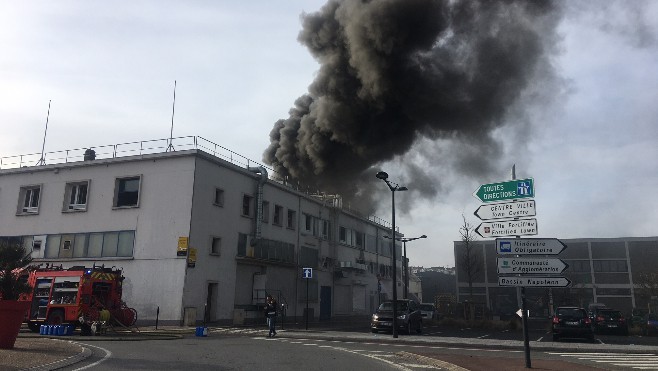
529,246
508,210
531,266
522,227
307,272
520,312
528,281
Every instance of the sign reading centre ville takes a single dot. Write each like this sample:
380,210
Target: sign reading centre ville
509,190
507,210
522,227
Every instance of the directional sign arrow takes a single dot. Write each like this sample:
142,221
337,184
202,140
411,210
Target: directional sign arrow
509,190
529,246
531,266
532,281
522,227
307,273
508,210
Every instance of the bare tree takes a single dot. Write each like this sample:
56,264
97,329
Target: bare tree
469,260
647,286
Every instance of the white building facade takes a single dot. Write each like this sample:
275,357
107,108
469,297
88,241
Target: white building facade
198,236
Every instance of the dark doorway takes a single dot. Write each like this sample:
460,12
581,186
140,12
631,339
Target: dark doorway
325,303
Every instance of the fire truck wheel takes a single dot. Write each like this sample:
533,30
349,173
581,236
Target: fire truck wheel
55,317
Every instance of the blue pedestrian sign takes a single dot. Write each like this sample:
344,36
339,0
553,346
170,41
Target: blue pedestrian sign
307,272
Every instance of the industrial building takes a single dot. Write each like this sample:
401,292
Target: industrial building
609,271
200,232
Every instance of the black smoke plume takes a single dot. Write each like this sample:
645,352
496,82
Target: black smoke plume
393,72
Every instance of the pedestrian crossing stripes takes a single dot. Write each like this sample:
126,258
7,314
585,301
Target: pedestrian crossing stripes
634,361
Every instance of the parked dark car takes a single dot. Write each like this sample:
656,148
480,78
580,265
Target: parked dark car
572,322
650,324
409,317
610,321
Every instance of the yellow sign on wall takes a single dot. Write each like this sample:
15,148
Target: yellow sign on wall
191,258
182,246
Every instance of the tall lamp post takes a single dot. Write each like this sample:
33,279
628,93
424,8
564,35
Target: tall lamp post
406,262
394,188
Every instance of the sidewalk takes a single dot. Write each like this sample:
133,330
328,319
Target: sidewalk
52,352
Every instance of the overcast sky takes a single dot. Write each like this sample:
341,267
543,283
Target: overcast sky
109,67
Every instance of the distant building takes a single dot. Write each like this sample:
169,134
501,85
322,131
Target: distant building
198,230
602,270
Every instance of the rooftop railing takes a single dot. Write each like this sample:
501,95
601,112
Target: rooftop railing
154,146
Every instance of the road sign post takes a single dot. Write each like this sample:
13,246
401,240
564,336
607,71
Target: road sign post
307,274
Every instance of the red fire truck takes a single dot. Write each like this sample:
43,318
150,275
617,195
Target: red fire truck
77,295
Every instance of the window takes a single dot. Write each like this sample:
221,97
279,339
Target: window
346,236
610,266
278,210
90,245
292,216
266,249
75,196
126,192
308,223
358,239
219,197
326,227
247,202
265,216
215,245
29,199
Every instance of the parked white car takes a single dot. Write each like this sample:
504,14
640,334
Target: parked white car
428,311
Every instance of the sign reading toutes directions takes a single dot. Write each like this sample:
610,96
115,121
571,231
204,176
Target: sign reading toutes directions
509,190
522,227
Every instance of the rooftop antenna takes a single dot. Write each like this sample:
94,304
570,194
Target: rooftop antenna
171,132
42,160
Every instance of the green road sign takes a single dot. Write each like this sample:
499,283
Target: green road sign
509,190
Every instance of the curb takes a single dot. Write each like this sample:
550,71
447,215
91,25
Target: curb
84,354
430,361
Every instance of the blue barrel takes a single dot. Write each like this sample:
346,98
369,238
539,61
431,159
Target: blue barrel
69,330
42,330
49,330
201,331
60,330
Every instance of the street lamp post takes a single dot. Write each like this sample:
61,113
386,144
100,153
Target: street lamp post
406,262
393,187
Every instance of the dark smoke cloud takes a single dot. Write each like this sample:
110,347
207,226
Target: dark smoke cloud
395,71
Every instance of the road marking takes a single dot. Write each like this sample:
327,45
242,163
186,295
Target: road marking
108,354
638,361
540,338
483,336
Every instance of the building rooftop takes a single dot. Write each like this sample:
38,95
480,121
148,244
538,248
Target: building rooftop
154,146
